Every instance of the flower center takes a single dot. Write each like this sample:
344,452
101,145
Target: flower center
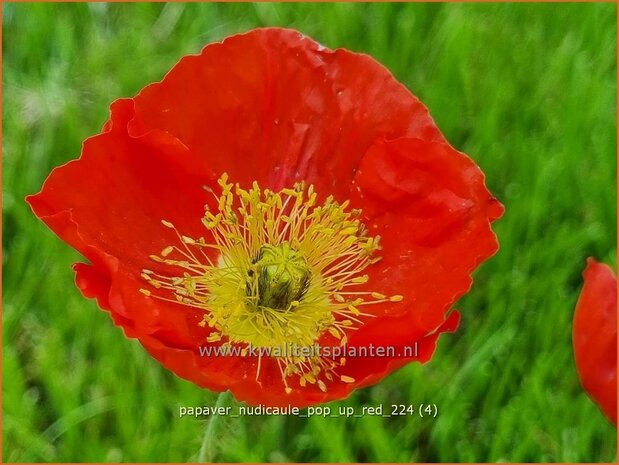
279,271
278,277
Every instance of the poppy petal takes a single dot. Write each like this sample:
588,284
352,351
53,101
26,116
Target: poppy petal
276,107
433,212
595,336
109,204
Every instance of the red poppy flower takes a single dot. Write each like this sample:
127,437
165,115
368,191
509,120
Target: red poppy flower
595,336
270,193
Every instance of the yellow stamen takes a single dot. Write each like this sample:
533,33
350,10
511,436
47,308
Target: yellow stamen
277,270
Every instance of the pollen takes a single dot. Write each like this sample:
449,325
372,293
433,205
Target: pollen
277,271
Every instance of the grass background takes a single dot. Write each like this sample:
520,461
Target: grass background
528,90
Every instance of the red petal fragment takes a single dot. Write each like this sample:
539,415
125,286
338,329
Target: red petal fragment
595,336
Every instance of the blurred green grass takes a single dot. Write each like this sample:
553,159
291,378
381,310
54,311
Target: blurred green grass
528,90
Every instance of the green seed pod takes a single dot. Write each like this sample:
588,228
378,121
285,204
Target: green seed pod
283,276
